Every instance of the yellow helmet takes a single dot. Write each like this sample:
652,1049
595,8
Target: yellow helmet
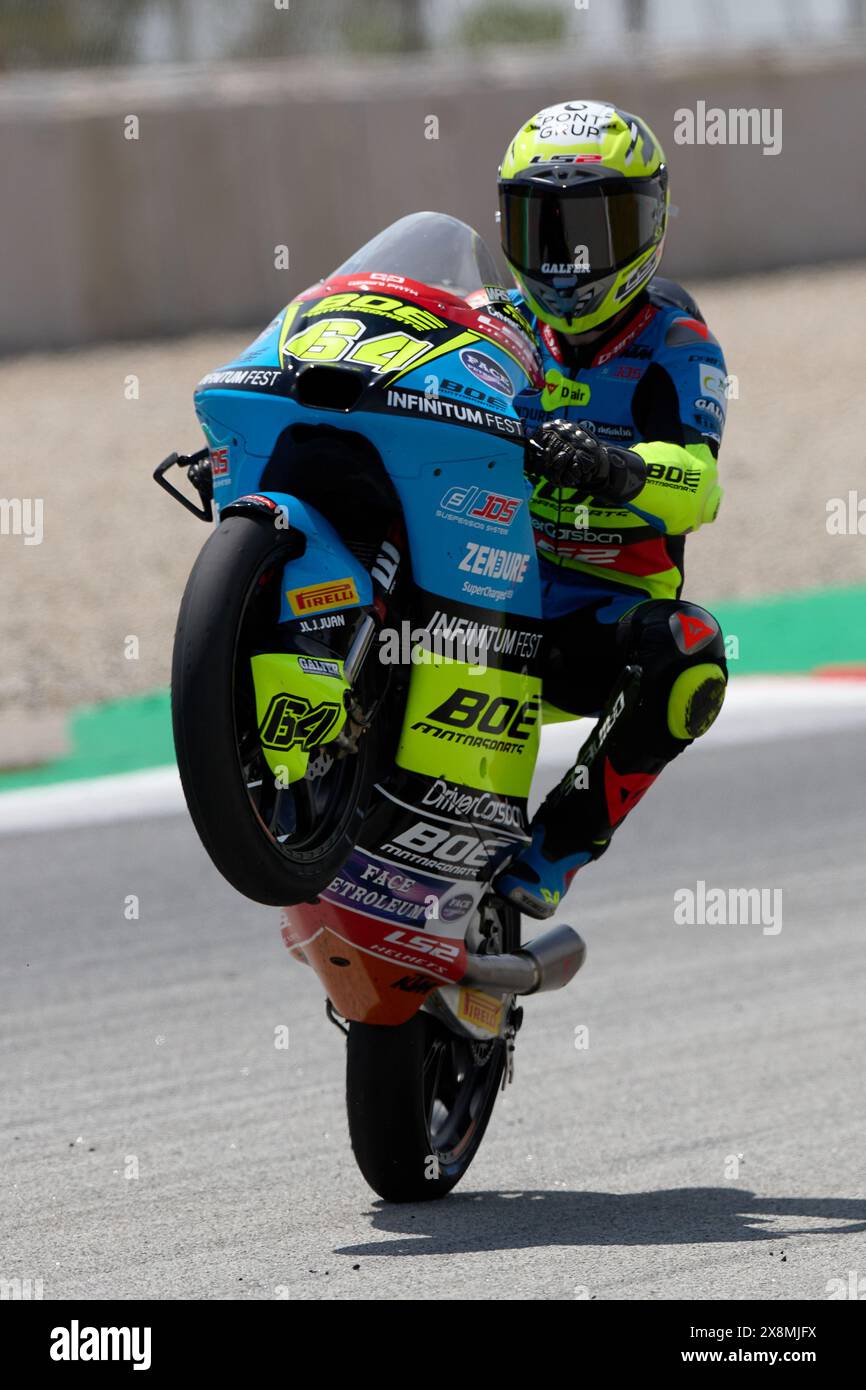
583,207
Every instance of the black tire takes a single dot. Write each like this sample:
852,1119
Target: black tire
225,605
391,1087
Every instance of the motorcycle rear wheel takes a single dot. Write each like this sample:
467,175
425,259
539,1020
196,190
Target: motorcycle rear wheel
419,1098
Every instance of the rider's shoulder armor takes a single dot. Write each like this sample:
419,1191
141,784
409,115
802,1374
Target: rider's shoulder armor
669,294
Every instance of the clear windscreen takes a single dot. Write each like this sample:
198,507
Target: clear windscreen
431,247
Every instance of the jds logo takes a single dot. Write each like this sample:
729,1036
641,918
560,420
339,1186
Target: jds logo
484,506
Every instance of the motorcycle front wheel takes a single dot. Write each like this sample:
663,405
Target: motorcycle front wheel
276,844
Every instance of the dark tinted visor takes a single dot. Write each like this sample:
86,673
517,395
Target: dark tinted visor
591,229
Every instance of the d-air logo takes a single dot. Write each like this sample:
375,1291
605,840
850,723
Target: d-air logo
337,593
292,722
560,393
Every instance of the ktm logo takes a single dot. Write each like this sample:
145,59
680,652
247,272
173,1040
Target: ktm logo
291,721
414,984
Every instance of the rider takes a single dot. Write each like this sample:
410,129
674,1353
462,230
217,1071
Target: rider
635,395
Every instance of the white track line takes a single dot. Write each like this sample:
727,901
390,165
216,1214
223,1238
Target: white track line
757,708
94,801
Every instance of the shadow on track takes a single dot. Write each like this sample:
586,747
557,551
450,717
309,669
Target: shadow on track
473,1223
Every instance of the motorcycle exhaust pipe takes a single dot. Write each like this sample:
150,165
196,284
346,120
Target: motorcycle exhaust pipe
548,962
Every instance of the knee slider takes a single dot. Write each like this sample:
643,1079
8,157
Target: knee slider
681,650
696,697
664,634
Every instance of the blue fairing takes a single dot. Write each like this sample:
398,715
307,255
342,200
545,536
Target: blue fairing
449,438
325,557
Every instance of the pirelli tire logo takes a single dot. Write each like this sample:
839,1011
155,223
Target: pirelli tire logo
477,720
480,1010
317,598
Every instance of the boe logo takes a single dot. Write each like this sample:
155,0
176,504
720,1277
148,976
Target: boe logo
471,709
463,848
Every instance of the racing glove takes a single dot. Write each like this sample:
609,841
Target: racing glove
574,458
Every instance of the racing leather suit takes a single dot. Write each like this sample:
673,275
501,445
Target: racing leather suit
622,644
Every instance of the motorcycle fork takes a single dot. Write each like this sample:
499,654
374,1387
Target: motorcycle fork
385,574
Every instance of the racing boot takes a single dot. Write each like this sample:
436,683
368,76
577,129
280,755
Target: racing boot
536,882
574,824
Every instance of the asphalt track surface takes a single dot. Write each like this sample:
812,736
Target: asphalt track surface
607,1171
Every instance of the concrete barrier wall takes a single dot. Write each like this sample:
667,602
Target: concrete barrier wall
102,237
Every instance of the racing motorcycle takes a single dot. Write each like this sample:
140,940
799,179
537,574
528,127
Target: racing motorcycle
356,694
